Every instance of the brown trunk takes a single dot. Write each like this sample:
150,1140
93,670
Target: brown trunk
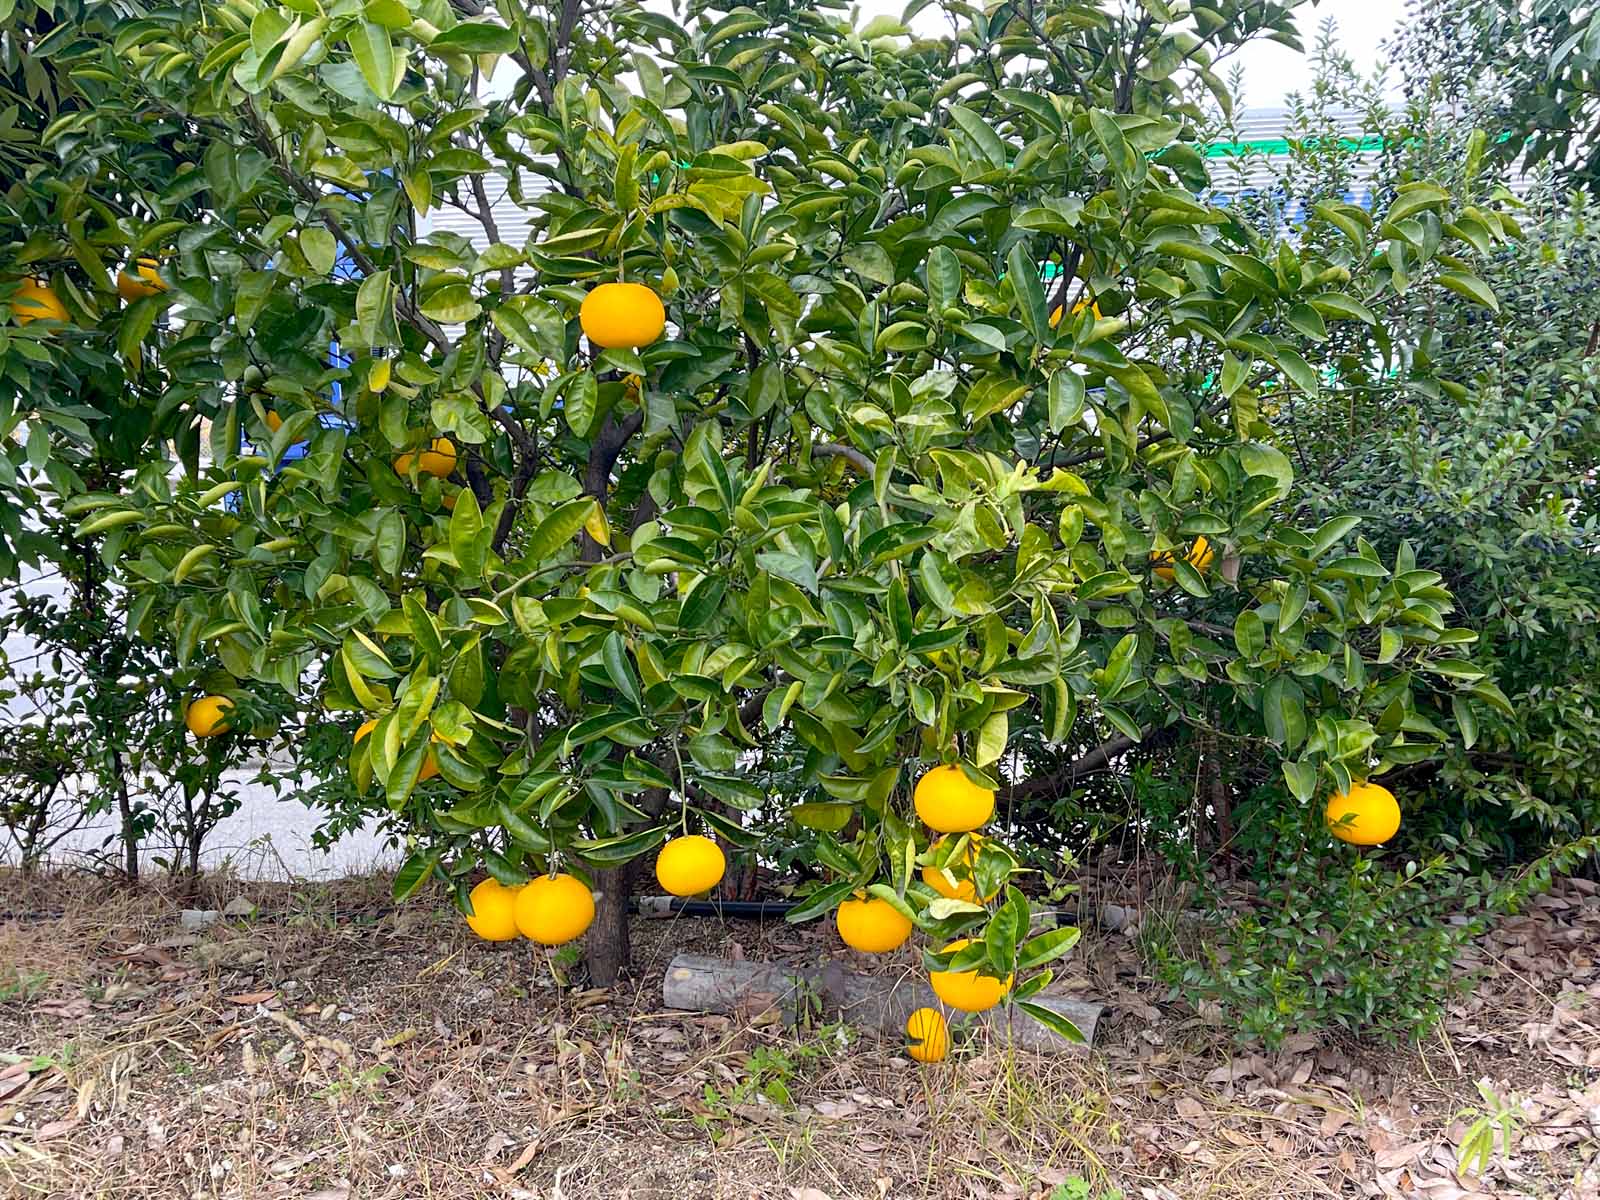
1215,794
130,838
606,947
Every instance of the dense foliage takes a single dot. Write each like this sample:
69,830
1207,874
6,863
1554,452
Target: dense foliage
872,499
1482,457
1531,72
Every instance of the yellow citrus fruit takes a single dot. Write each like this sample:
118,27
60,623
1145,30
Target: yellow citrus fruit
146,282
618,315
554,909
961,868
690,865
1199,557
872,926
207,716
430,765
449,501
274,421
35,300
1055,315
1374,815
928,1034
967,990
494,916
439,459
949,802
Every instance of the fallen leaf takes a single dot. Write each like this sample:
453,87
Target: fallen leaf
251,998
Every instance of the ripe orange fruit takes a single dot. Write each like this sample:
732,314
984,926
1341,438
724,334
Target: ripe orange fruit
961,868
872,926
554,909
618,315
949,802
1373,812
274,421
690,865
494,911
35,300
1055,315
967,990
147,282
1199,557
928,1034
430,765
438,460
449,501
207,716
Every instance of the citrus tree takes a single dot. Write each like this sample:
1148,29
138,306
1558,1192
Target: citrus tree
929,415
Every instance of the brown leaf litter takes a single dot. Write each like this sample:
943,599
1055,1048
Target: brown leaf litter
388,1054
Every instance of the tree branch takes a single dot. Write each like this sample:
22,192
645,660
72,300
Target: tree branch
603,453
1095,762
849,453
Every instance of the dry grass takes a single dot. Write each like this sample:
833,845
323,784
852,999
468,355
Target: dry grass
337,1048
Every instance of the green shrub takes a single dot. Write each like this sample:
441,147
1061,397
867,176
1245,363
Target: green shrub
1322,937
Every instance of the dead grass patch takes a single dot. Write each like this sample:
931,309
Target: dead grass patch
334,1047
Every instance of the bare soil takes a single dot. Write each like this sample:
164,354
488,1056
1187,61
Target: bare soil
331,1047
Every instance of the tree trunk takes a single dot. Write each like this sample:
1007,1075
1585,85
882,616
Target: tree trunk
606,947
1216,793
130,839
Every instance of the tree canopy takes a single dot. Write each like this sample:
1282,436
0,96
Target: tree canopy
964,360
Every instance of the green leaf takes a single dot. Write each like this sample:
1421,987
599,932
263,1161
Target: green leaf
614,654
374,54
475,37
827,818
976,128
991,739
1301,778
1249,633
1053,1021
1294,603
1023,275
467,540
389,542
944,277
413,873
558,529
823,900
451,304
1466,720
579,402
136,323
1119,154
700,605
1066,399
1338,305
1471,287
319,248
1047,947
